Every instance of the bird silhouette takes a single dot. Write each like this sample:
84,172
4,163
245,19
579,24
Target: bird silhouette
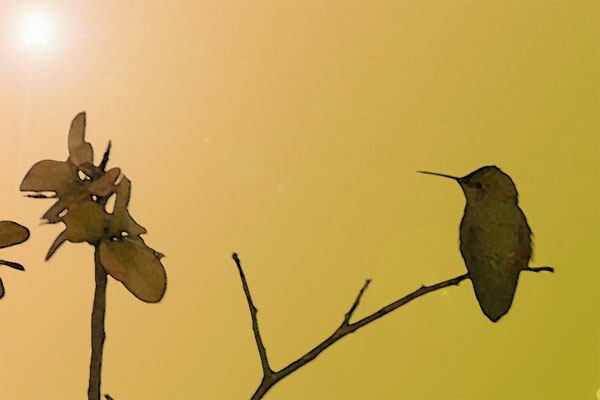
495,239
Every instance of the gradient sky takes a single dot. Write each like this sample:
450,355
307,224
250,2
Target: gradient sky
291,133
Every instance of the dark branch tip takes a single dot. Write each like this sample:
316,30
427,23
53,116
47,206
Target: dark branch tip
104,161
539,269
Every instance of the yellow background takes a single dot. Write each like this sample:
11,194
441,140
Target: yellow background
290,132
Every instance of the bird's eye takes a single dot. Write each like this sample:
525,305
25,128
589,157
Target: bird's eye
478,185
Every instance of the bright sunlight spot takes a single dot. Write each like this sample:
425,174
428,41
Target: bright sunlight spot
37,30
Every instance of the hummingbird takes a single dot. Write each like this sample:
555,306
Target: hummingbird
495,239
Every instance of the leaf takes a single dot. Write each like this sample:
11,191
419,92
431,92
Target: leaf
80,152
11,264
12,233
136,266
121,220
50,176
104,185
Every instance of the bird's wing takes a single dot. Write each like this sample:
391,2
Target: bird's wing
525,248
493,252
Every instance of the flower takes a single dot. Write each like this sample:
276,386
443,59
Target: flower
83,190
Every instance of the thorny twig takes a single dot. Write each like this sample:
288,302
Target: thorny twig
261,348
270,377
104,161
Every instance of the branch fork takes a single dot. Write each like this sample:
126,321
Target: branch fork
270,377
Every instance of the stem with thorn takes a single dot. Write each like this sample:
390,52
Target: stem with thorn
270,377
98,313
104,161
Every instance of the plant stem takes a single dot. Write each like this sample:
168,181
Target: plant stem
98,334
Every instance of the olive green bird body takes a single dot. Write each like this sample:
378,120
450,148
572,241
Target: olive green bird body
496,245
495,239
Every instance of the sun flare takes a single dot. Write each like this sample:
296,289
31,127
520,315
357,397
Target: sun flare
37,30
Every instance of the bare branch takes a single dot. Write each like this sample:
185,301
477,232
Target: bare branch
400,302
270,377
353,308
267,371
345,329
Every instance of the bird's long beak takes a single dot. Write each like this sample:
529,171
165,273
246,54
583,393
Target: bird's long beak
435,173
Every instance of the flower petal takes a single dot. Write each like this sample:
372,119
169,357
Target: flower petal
136,266
122,220
104,185
53,213
12,233
49,176
80,152
60,239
